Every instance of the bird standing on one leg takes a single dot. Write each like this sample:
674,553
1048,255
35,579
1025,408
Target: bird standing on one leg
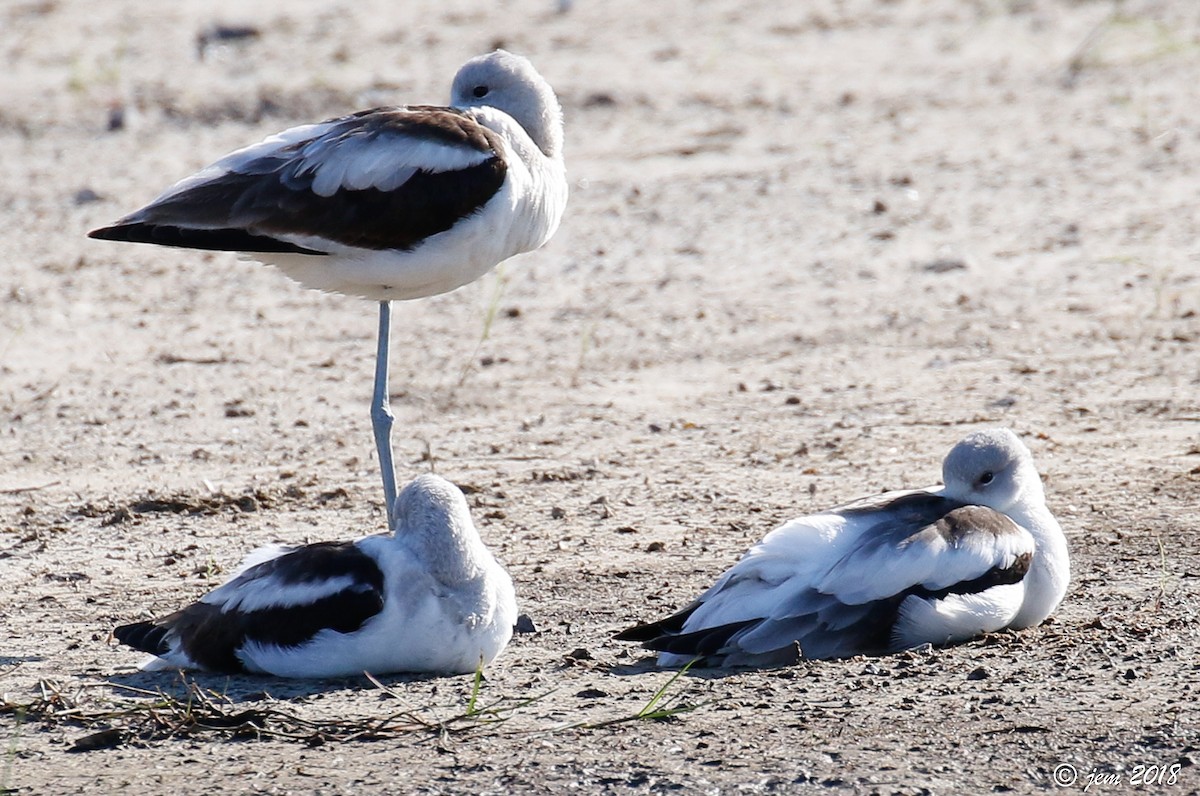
388,204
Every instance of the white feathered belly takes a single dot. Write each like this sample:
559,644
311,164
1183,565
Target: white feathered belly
509,224
433,638
956,617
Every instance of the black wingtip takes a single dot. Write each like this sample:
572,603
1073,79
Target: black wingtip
640,632
230,240
144,636
667,626
107,233
129,233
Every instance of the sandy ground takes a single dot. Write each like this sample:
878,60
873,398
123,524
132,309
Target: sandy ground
809,246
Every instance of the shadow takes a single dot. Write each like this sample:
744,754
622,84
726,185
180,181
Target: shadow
698,668
239,688
650,664
17,660
643,666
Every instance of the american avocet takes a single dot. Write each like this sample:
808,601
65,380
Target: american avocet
886,573
390,203
427,598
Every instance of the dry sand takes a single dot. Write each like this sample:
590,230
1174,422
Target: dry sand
809,246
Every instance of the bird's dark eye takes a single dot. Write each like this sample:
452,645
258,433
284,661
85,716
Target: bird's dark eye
986,478
480,91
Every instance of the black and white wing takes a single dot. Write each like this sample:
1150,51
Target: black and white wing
386,178
865,578
282,601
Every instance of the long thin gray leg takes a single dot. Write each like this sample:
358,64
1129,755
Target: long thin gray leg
381,413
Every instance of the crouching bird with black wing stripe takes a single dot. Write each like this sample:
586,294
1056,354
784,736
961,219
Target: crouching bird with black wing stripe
428,597
887,573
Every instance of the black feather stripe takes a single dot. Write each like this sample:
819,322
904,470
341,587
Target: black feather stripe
208,637
996,576
228,240
265,200
320,561
212,637
425,205
702,642
144,636
671,624
876,630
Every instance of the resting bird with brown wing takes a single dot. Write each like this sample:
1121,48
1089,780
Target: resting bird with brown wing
882,574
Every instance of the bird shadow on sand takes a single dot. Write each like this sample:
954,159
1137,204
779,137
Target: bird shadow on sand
649,665
7,661
238,688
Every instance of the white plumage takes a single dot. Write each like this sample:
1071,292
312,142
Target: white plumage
886,573
428,598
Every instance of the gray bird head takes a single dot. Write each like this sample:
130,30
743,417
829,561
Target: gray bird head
430,501
992,468
432,516
509,83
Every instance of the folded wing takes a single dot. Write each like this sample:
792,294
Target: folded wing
386,178
849,582
283,601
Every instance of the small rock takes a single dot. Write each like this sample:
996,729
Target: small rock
943,265
599,99
105,739
980,673
524,625
219,32
116,118
122,514
236,409
86,196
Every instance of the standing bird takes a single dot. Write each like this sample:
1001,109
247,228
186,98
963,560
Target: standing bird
887,573
388,204
428,597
